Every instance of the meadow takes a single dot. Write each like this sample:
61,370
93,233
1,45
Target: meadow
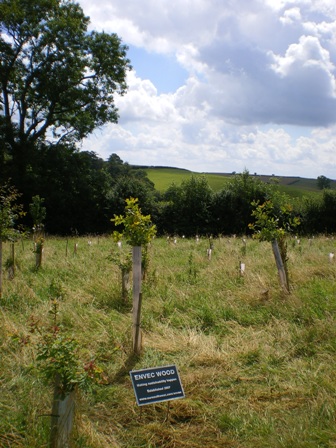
163,177
257,365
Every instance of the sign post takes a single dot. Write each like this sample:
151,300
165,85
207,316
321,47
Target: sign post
156,384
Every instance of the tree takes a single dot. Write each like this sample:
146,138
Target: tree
116,167
58,81
323,182
232,206
131,184
274,219
74,185
138,231
187,207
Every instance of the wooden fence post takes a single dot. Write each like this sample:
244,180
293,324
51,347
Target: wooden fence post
136,260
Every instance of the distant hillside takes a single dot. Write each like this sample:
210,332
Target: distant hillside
163,177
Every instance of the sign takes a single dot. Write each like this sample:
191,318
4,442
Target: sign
156,384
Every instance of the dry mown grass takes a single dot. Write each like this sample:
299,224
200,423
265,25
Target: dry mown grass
257,366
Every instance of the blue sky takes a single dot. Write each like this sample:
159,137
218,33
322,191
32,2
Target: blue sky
161,70
222,86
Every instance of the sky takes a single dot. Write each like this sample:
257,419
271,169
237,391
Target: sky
224,85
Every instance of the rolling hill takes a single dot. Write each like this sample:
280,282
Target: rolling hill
163,177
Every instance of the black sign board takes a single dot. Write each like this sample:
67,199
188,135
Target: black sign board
156,384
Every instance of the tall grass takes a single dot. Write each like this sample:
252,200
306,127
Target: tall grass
257,366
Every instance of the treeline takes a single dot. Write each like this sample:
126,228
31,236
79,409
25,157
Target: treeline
81,193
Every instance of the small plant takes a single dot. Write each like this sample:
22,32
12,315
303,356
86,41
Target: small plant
58,359
38,214
138,228
122,260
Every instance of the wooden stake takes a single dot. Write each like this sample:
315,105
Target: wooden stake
168,409
136,260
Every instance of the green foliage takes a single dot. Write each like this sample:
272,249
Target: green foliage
58,83
323,182
38,212
57,357
273,221
74,185
232,206
53,69
187,207
10,212
138,228
121,259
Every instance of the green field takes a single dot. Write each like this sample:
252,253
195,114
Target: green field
294,186
257,365
164,177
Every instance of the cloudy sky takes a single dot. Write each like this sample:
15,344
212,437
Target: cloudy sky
224,85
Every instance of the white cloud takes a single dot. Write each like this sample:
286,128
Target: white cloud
260,73
290,16
308,53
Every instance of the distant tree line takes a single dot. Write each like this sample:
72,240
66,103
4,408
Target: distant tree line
82,192
193,208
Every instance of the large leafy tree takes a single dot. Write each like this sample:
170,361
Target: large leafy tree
58,81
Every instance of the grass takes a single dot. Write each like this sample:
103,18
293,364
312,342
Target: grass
165,177
257,366
293,186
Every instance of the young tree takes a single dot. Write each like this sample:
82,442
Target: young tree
273,221
58,81
38,213
138,231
